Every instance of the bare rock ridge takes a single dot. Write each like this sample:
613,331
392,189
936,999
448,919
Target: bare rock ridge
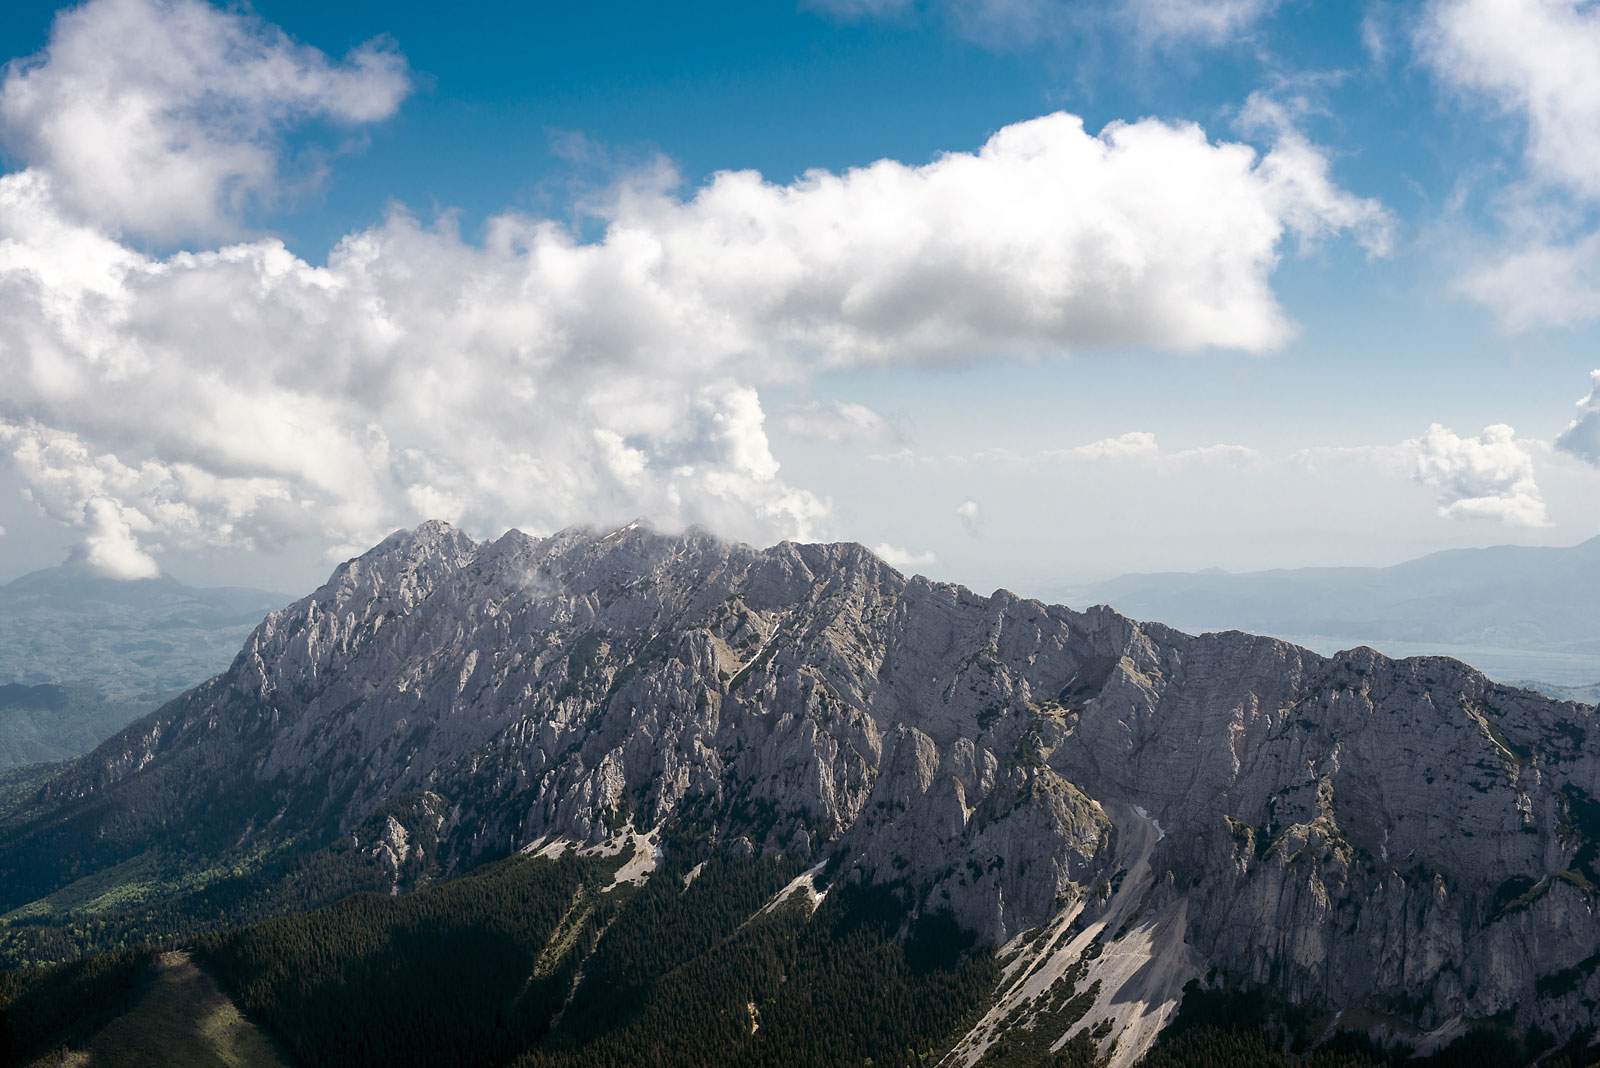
1118,801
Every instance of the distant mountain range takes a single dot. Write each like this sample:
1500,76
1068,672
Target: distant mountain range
1512,611
634,798
82,655
1587,695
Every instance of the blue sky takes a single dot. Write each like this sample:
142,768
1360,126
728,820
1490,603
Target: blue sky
1419,115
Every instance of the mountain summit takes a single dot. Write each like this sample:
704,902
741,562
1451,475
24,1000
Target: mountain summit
1119,807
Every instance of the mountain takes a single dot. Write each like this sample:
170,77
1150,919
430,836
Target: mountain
82,655
51,721
691,787
1515,611
128,1009
1586,694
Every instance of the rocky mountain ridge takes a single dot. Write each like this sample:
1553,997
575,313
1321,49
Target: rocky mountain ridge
1121,807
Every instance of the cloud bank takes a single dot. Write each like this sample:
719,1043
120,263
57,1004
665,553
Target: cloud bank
241,395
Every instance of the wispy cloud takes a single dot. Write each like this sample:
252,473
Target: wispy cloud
1538,63
839,422
1206,21
1007,24
1134,446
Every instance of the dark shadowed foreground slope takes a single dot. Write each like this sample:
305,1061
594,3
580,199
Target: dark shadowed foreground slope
1118,810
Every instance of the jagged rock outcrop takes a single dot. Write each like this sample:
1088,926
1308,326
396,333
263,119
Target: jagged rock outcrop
1404,837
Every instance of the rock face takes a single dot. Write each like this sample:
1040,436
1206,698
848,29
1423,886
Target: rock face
1406,838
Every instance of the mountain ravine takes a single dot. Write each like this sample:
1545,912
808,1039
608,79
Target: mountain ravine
1109,802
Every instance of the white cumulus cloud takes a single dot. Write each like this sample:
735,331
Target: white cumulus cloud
1047,239
1487,477
162,117
111,546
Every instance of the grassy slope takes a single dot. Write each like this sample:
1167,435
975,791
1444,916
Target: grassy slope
181,1017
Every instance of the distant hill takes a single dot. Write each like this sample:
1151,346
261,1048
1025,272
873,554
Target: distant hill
1513,611
52,721
1584,695
82,655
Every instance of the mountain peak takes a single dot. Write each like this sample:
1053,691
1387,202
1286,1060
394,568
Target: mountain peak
408,546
